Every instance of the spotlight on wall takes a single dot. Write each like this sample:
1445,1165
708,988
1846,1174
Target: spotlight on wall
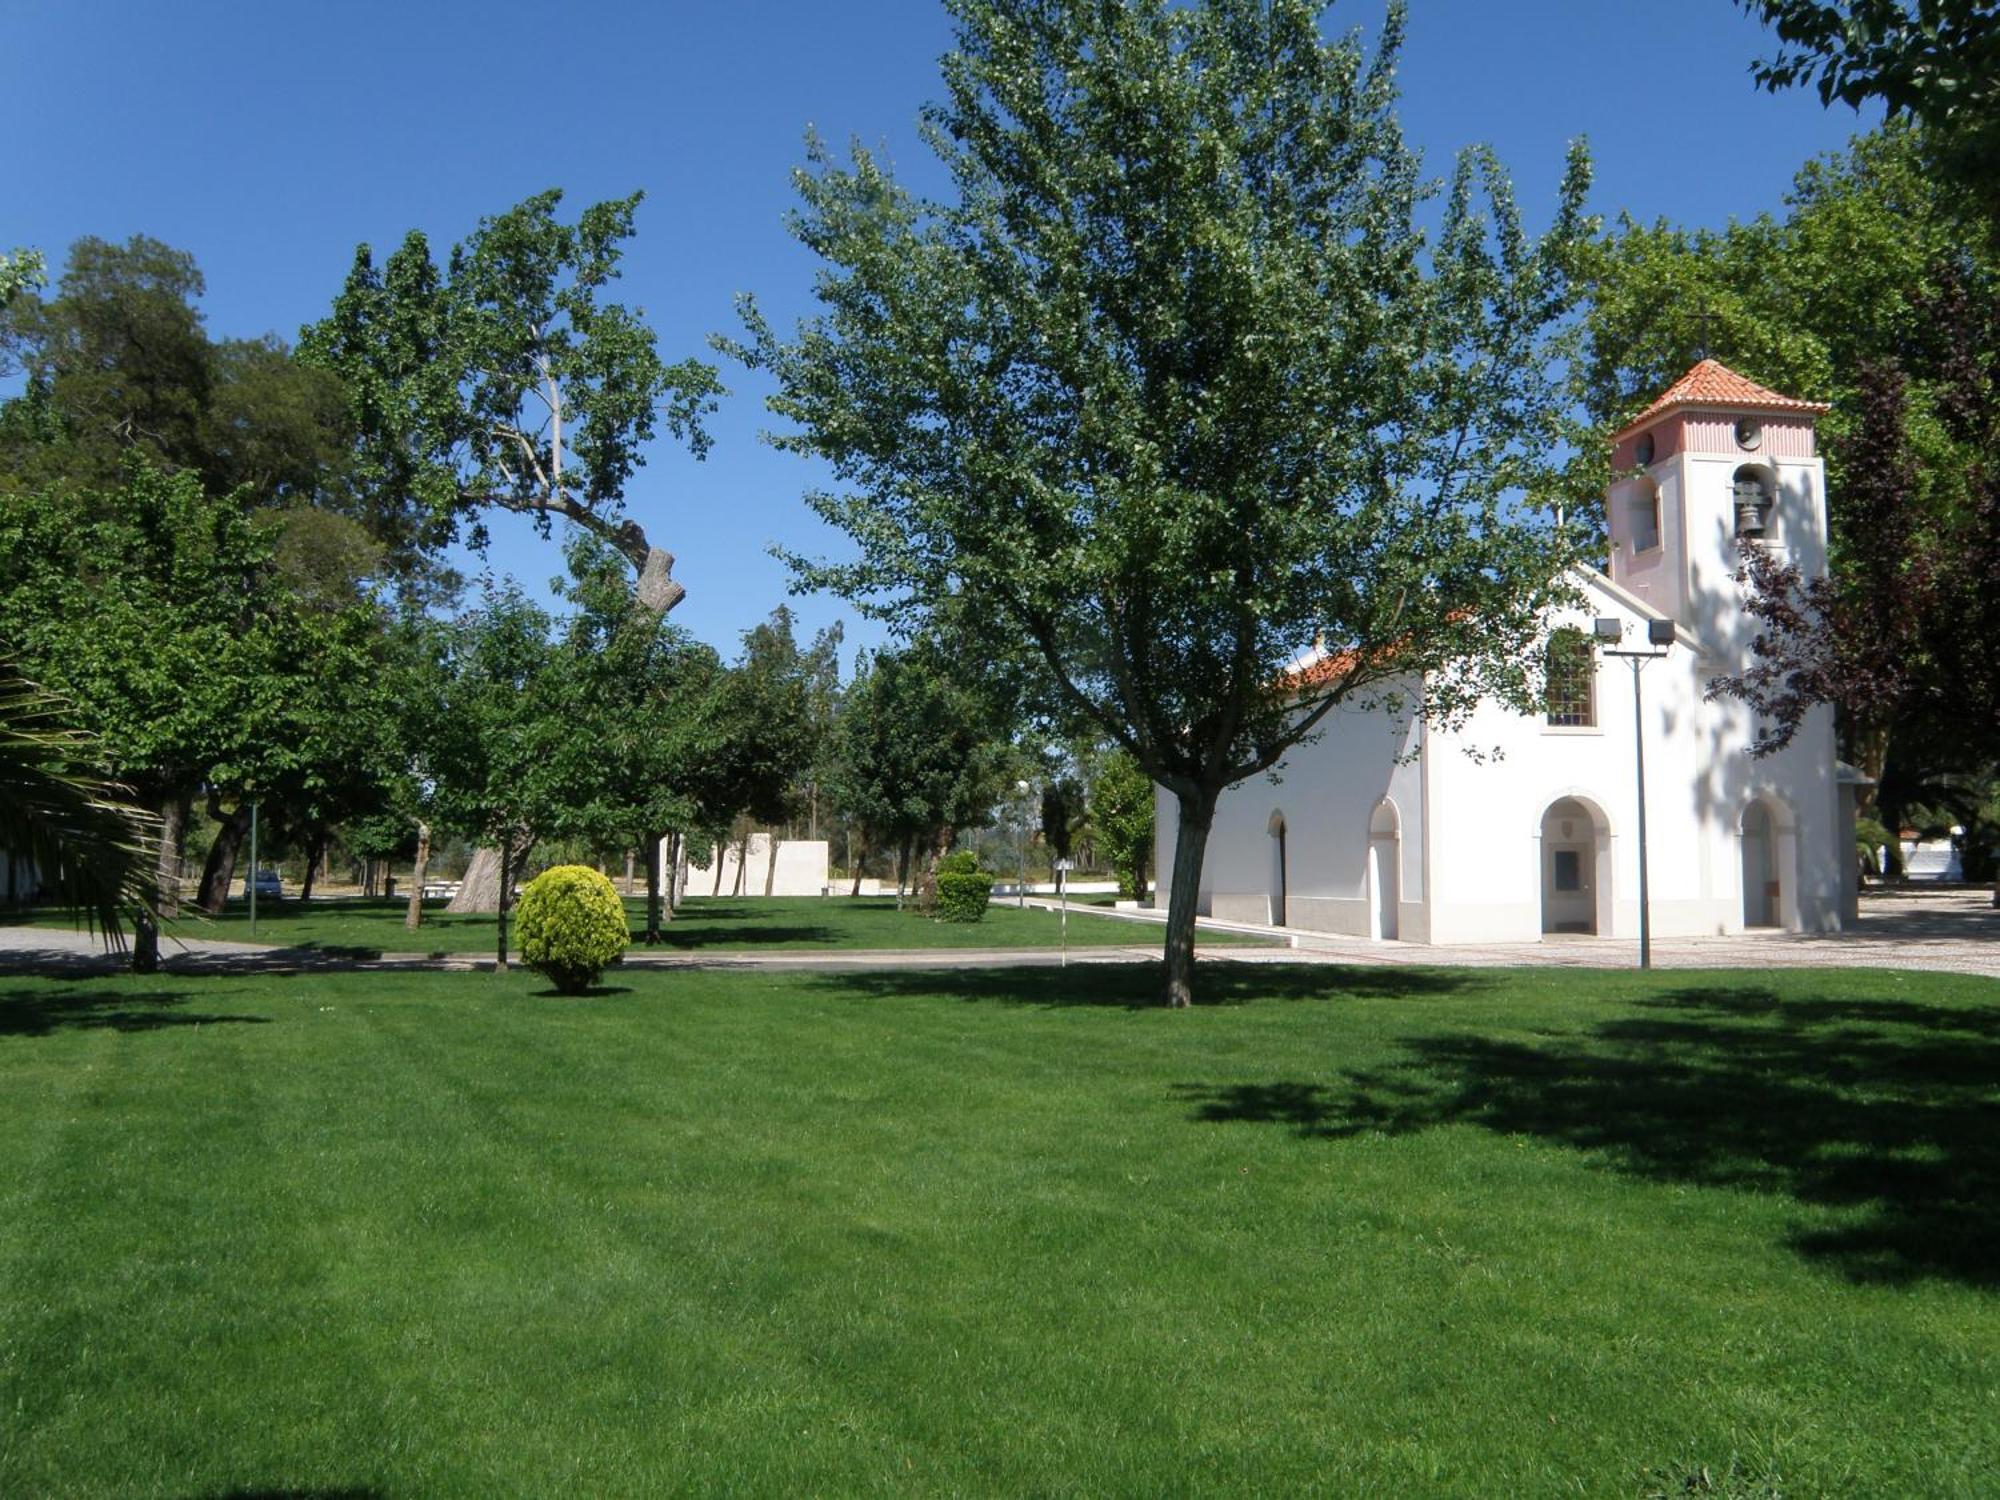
1609,629
1659,632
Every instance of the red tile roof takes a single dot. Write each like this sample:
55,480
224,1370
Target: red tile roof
1712,383
1318,672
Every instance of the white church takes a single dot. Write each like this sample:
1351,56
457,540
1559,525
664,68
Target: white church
1387,829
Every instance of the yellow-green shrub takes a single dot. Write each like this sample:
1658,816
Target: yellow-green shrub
572,926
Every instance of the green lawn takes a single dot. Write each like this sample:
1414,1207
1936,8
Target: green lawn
1359,1232
723,924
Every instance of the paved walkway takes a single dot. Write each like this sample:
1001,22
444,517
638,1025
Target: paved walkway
1952,931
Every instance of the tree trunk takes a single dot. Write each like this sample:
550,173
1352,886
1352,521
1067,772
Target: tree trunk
145,945
414,917
480,890
506,853
1190,847
940,847
173,842
771,866
857,863
902,870
220,868
653,888
742,863
315,857
629,871
715,850
676,848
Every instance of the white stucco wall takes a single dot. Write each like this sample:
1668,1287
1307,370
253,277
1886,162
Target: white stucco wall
1327,792
802,868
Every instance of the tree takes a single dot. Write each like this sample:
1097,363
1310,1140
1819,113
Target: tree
487,727
154,608
918,751
1935,60
1121,810
503,380
1175,381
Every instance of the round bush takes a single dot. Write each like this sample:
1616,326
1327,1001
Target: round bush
572,926
963,889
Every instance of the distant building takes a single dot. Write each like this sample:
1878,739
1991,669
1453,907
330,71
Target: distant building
1384,828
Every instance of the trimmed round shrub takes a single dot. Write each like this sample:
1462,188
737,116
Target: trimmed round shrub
963,889
572,926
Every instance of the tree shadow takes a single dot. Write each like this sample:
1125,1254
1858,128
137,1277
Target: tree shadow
1885,1111
44,1012
595,992
675,935
256,1493
1138,985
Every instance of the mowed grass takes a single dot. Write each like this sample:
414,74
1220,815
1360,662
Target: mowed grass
365,927
1350,1233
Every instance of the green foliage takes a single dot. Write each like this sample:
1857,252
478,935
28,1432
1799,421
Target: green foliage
155,609
963,889
20,271
92,850
1176,380
1936,60
1121,810
502,378
919,747
572,926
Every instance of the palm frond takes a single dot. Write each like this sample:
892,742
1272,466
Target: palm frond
95,852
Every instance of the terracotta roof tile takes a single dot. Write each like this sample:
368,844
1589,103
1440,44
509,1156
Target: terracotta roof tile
1712,383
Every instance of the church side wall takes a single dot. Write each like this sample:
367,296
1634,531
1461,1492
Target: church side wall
1325,797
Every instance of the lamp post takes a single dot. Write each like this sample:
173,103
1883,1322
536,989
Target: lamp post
1660,634
1021,849
253,870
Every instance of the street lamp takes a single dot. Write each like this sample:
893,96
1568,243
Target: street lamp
1660,634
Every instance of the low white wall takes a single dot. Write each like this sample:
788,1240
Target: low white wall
802,869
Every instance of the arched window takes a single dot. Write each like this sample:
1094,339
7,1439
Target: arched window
1753,500
1571,676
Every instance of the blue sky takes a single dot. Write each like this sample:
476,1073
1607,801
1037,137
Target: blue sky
270,138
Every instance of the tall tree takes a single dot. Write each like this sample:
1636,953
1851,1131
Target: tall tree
504,380
918,751
1176,380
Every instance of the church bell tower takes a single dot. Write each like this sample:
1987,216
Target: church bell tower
1718,463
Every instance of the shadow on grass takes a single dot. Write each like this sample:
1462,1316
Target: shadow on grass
688,937
284,1494
1885,1111
1139,986
595,992
44,1012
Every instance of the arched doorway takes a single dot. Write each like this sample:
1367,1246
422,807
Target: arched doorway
1770,859
1278,872
1576,868
1385,872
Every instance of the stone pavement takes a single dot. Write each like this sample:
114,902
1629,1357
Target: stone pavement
1950,931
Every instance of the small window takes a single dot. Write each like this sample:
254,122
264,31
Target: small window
1568,870
1645,518
1571,670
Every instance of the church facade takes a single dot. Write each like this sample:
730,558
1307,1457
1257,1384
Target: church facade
1386,828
